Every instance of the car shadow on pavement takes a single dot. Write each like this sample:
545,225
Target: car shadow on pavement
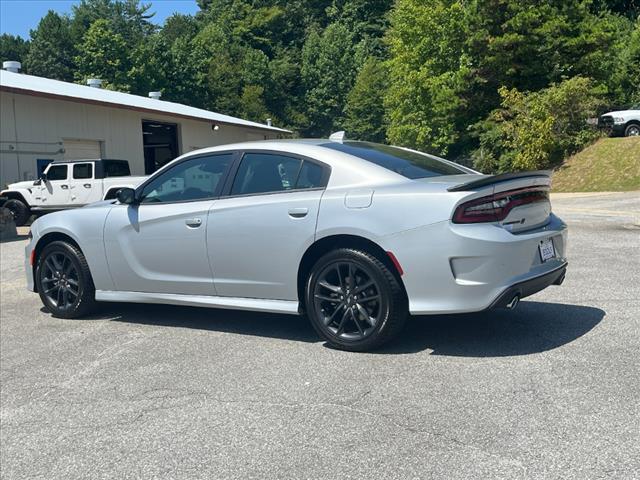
533,327
288,327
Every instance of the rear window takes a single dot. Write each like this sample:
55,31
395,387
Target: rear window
116,168
404,162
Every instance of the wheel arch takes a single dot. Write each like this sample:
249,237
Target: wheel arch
45,240
15,195
326,244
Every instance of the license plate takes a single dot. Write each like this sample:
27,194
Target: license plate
547,252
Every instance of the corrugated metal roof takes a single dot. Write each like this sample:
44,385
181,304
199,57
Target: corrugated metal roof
39,85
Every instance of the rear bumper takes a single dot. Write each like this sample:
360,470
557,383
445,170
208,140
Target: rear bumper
529,287
451,268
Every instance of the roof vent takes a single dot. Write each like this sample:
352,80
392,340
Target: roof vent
12,66
94,82
268,122
155,95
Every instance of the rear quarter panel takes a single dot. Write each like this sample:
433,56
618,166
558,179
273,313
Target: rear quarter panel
393,209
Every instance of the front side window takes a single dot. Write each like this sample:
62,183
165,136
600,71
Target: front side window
57,172
83,170
196,179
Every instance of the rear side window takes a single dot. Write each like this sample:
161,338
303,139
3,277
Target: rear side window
265,172
83,170
116,168
311,176
57,172
404,162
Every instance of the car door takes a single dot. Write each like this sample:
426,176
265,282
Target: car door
82,187
54,191
259,231
158,244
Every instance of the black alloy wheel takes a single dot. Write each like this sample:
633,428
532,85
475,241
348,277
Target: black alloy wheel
355,302
64,281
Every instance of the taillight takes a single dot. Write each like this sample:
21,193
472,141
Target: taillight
495,208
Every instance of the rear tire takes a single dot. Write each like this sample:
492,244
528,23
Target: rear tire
19,210
354,301
64,281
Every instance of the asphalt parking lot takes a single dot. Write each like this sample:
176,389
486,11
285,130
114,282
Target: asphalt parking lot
551,390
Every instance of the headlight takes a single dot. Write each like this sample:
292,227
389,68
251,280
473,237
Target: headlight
618,120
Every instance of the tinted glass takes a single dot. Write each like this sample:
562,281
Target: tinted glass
311,176
195,179
57,172
265,172
83,170
406,163
116,168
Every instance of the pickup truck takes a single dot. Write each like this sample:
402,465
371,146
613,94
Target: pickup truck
622,122
67,184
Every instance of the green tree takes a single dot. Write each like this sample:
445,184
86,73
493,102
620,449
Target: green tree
13,48
534,131
103,54
450,58
429,71
328,65
51,53
129,18
365,116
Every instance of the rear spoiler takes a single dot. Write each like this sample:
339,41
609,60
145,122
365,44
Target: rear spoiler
493,179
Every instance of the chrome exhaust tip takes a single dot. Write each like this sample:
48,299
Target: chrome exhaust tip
513,303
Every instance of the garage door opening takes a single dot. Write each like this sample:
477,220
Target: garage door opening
160,142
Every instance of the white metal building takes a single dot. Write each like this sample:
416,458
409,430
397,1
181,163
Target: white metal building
42,120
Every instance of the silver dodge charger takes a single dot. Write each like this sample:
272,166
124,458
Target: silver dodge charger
355,235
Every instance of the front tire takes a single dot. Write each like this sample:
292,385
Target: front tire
64,281
632,130
354,301
19,210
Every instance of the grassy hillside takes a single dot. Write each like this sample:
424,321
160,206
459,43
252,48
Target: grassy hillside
609,165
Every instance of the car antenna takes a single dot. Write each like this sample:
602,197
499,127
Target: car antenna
337,136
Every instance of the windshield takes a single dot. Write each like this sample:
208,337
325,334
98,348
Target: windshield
408,163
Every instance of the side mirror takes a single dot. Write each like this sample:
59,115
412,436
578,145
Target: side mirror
126,196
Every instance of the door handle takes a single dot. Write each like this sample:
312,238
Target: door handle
64,187
300,212
193,222
87,185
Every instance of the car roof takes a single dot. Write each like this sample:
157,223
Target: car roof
88,160
352,170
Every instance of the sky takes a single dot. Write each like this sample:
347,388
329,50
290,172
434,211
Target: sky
17,17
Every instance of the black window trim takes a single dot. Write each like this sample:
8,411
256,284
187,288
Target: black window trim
172,165
226,191
73,171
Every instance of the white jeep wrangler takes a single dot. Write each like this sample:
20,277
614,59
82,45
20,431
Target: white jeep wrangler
67,184
621,123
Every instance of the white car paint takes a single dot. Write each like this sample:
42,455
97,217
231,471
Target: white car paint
246,252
